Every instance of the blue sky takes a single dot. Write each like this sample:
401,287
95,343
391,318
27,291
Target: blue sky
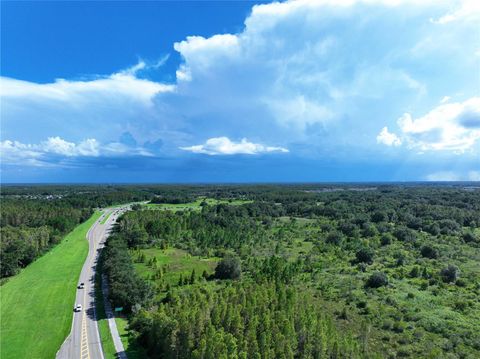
352,90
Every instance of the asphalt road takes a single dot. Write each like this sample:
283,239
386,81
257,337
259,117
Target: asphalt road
84,339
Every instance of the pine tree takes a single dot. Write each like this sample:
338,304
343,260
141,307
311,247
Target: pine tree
205,274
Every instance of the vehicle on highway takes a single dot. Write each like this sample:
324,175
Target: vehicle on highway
78,308
81,285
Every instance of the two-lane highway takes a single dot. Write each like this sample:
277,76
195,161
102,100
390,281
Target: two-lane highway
84,339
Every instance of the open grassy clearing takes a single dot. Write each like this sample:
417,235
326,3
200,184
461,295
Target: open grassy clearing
173,263
193,205
36,305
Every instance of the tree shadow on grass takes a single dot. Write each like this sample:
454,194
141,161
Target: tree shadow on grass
134,350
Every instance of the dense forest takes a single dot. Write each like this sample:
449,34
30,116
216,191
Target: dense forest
302,272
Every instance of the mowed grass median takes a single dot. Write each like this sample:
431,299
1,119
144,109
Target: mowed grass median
36,306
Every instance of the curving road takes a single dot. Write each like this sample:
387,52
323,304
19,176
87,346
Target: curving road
84,339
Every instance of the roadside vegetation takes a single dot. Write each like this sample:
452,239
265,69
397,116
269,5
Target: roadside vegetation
34,219
36,304
108,346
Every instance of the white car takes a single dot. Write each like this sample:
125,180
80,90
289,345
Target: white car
77,308
81,285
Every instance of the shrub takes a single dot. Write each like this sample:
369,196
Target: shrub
379,216
362,304
414,222
344,314
369,230
347,228
469,237
377,280
415,272
433,229
448,226
362,267
387,324
399,327
401,258
405,234
228,268
429,252
386,239
450,273
334,238
382,227
460,305
365,255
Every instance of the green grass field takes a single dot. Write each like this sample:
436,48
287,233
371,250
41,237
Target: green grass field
175,261
36,305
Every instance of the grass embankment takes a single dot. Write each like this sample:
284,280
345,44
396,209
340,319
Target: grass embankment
105,217
36,305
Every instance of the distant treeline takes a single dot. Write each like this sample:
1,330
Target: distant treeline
54,210
174,199
354,213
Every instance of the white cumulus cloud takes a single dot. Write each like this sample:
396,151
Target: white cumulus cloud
54,149
387,138
116,87
291,65
450,126
100,107
465,9
224,146
57,145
